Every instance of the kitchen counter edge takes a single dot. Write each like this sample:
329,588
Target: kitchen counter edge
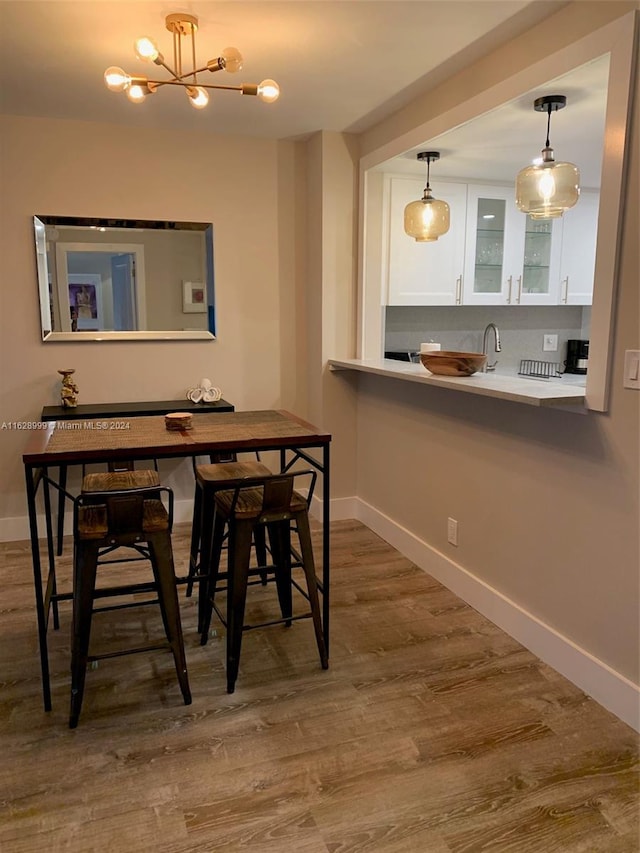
532,392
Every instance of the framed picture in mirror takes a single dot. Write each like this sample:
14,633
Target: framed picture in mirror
194,297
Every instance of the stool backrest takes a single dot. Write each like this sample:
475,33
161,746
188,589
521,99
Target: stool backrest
122,511
276,493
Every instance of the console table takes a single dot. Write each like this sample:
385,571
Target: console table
97,411
123,410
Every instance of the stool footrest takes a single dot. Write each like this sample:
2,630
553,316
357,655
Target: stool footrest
126,606
155,647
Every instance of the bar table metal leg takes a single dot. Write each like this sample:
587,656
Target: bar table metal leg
33,476
326,560
62,480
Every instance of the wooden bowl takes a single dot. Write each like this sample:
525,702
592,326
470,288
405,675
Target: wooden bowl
449,363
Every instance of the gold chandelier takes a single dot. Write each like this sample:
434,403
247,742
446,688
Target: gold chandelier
183,26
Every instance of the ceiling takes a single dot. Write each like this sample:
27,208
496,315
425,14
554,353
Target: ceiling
341,66
496,145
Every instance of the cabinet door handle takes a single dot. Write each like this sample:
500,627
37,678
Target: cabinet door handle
565,292
519,289
459,290
510,281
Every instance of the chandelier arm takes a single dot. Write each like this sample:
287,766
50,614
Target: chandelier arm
186,85
169,69
205,68
193,55
177,53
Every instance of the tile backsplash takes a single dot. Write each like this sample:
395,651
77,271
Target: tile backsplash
462,327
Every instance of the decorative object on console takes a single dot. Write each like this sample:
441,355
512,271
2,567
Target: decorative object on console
428,218
178,421
69,391
205,392
430,346
183,26
546,189
450,363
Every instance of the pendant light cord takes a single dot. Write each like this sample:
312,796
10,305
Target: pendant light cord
428,172
548,125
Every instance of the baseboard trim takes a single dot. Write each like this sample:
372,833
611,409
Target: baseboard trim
609,688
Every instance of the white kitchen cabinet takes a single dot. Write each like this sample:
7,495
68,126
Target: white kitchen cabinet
494,246
540,280
423,273
492,254
578,256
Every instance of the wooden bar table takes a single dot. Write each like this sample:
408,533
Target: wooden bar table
78,441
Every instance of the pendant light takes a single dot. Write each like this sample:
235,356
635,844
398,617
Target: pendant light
428,218
545,190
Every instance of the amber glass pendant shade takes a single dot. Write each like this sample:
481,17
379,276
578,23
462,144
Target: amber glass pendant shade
427,218
547,190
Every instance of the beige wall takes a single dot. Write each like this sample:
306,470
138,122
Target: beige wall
333,159
547,502
84,169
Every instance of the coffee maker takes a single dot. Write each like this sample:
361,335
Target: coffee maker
577,356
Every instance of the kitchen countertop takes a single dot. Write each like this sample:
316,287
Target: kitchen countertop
563,392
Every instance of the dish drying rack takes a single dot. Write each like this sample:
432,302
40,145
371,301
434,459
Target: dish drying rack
539,369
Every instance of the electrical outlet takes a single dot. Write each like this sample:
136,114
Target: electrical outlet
452,531
550,343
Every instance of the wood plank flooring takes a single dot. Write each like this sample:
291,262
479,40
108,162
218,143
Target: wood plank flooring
431,732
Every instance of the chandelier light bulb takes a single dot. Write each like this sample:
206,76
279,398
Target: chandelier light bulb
137,93
146,49
232,59
198,97
116,79
268,91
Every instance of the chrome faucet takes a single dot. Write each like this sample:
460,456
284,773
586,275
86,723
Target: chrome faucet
485,344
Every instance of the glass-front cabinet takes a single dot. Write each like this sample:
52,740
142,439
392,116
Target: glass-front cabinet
509,258
494,247
541,262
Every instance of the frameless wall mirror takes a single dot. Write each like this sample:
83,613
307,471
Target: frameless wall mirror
123,279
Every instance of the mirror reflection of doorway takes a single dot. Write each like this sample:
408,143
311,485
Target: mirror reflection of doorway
100,287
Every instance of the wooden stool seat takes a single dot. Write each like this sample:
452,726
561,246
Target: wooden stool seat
120,480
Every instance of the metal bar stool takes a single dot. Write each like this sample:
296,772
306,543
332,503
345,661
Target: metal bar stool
210,479
256,503
108,519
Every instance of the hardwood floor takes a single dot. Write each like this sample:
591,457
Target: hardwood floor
431,732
